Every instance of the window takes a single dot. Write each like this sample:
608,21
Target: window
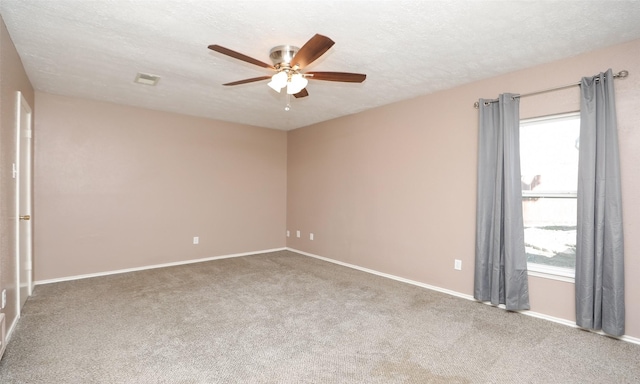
549,169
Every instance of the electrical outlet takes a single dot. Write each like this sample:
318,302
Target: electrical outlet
4,298
298,234
311,236
196,240
457,265
288,233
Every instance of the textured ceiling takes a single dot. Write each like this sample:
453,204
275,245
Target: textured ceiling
93,49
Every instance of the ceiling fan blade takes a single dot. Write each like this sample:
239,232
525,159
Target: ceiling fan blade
338,76
248,80
302,93
239,56
311,50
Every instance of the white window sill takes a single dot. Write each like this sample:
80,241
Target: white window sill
553,273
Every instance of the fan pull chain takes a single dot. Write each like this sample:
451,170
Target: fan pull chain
288,107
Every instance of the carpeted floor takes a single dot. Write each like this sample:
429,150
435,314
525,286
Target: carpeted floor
286,318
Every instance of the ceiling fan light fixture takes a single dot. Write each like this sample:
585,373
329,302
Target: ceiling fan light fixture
288,61
296,84
278,81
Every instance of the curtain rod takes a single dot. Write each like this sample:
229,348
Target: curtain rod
622,74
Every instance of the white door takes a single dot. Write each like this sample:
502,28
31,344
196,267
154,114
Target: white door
24,251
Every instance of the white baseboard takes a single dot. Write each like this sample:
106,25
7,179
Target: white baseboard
115,272
388,276
566,322
569,323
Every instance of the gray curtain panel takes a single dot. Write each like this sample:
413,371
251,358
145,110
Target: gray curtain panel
600,246
501,264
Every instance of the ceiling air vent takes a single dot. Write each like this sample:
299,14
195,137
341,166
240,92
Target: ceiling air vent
147,79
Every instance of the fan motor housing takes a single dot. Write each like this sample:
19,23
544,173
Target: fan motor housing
282,54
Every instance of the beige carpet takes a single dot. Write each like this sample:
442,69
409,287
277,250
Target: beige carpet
286,318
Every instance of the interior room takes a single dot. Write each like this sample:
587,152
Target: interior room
138,158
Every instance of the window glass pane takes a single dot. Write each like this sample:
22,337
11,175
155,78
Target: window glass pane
549,163
549,154
550,231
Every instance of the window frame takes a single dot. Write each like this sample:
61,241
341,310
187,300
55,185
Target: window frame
541,270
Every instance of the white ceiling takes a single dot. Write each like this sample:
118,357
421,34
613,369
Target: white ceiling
94,48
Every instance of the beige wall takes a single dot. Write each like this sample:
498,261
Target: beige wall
394,189
118,187
12,79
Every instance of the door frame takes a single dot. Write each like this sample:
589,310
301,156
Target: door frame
22,104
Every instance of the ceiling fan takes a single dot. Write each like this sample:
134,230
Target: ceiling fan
288,62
